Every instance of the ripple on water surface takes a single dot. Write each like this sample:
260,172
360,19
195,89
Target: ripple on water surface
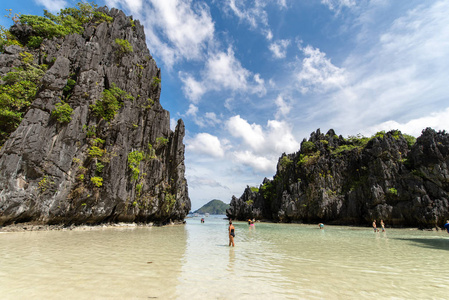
270,261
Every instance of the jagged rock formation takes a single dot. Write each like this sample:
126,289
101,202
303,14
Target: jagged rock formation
93,169
354,181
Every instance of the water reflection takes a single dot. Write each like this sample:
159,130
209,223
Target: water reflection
231,260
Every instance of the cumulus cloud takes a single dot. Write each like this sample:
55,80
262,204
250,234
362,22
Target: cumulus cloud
222,71
225,70
280,138
53,6
260,146
258,163
251,134
317,73
205,143
279,48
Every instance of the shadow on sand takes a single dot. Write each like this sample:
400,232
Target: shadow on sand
436,243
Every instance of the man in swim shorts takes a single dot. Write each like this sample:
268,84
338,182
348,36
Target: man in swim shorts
374,226
231,234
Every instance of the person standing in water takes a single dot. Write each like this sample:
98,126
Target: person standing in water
252,223
231,234
374,226
382,224
447,226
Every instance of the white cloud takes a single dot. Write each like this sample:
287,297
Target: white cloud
401,77
280,138
176,30
265,144
53,6
279,48
207,144
318,73
193,109
209,119
436,120
273,140
133,5
252,15
269,34
258,163
251,134
338,5
225,71
283,107
282,3
173,123
222,71
201,182
192,89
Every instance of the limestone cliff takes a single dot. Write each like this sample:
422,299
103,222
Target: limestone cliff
115,159
353,181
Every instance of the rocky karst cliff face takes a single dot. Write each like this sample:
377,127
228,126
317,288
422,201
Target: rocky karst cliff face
353,181
116,158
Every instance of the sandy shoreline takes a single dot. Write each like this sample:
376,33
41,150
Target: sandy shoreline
24,227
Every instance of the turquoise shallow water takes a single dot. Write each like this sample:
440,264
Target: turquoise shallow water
193,261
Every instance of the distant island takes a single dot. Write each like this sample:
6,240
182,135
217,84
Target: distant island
213,207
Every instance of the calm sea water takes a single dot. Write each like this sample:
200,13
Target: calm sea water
194,261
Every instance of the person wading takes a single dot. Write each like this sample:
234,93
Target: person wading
231,234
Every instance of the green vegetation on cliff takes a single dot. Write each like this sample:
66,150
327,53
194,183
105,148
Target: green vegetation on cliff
214,207
67,21
390,176
20,85
18,90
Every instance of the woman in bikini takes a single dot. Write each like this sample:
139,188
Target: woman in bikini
231,234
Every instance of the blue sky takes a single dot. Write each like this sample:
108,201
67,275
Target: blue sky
251,79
